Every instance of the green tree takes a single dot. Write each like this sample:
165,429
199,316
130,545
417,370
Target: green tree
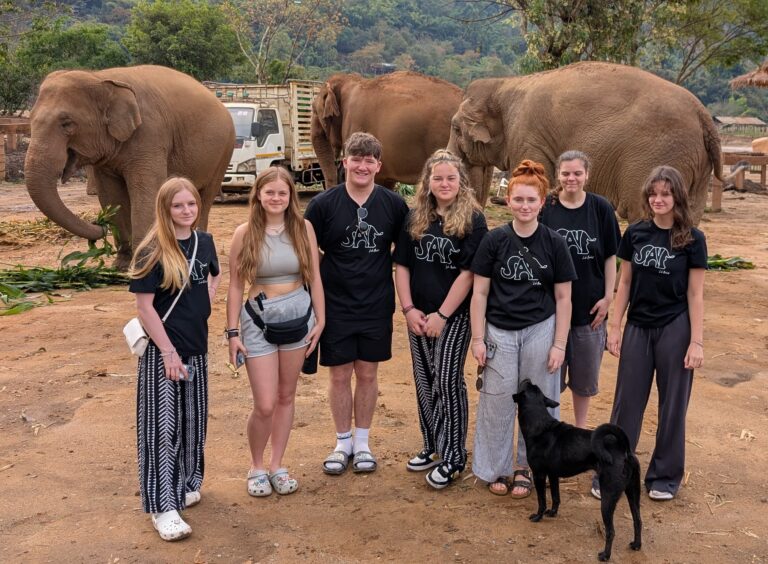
190,36
260,24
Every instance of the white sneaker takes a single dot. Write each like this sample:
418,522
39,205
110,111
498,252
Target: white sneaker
170,526
660,496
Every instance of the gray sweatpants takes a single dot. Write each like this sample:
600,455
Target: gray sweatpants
519,355
643,352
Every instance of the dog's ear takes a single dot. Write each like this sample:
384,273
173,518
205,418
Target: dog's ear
550,403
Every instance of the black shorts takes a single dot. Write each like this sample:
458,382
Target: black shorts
343,342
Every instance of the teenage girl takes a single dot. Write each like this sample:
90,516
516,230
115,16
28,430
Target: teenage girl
520,315
662,281
172,406
433,255
275,252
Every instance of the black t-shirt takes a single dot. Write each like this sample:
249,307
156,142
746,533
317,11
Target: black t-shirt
436,260
592,235
356,267
658,292
187,325
517,299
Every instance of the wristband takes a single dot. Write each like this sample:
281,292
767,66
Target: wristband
558,347
167,353
698,343
408,308
229,333
441,316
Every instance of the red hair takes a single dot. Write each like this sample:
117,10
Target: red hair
530,173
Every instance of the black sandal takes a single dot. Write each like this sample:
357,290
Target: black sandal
526,484
504,481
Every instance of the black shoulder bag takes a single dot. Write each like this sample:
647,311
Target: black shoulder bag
528,257
283,332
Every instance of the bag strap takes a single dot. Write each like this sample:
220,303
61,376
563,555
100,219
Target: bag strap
189,275
260,322
529,259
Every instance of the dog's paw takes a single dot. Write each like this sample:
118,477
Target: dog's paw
635,545
535,517
603,557
551,512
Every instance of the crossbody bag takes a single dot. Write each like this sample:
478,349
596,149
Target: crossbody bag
282,332
134,332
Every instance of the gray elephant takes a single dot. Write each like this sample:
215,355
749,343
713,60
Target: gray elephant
132,127
627,120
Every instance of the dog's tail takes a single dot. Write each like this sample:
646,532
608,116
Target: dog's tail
608,441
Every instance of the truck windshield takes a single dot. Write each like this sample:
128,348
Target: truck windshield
243,118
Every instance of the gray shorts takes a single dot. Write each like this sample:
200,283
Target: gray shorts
583,356
281,308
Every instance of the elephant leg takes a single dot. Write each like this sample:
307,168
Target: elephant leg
142,189
387,183
111,191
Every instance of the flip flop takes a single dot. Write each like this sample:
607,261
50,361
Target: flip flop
337,457
363,457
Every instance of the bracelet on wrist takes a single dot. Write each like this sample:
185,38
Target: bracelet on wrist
441,316
478,338
230,333
698,343
406,309
558,347
167,353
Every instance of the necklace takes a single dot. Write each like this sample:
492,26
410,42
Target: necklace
277,229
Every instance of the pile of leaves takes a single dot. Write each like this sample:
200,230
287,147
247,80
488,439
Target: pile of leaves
718,262
22,288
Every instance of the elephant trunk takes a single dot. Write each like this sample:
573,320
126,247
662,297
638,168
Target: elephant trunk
326,154
41,173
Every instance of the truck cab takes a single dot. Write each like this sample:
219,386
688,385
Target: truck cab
259,141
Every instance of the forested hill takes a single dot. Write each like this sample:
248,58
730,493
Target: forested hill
458,40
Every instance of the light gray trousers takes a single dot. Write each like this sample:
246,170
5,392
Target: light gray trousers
519,355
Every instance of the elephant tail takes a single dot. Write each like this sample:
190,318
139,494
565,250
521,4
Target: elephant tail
711,143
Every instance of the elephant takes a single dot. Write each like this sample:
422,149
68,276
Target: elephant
131,128
625,119
408,112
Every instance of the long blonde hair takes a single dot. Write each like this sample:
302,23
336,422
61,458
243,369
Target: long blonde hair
159,244
457,221
250,256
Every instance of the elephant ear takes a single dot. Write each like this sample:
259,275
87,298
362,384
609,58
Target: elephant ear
330,104
477,130
122,115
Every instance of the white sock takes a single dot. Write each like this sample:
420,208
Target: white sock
361,440
344,442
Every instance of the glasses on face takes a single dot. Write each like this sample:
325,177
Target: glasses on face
362,213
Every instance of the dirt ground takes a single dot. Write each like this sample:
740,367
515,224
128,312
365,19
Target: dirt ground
68,460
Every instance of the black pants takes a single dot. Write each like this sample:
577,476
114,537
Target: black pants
441,392
661,350
171,421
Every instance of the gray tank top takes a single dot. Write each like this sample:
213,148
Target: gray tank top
279,263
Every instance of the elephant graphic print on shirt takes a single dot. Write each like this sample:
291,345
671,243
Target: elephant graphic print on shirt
362,237
517,269
577,239
432,248
650,255
199,272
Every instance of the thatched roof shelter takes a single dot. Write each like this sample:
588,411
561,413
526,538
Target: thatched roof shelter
758,77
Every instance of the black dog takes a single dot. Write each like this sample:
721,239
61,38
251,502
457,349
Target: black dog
558,450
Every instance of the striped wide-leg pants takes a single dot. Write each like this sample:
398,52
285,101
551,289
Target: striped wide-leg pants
171,421
441,392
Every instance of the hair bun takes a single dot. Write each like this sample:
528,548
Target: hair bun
529,168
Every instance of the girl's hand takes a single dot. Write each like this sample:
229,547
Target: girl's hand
416,321
600,311
614,341
235,346
694,358
434,325
173,367
555,359
478,351
313,337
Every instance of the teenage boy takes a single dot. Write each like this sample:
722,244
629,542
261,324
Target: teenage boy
356,223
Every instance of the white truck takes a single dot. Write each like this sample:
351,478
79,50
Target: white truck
272,126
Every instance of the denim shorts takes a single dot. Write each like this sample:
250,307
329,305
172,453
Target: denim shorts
584,354
280,308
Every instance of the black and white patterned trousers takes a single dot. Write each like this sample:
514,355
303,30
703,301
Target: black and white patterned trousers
171,421
441,392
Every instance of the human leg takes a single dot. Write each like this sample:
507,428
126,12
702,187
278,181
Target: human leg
586,345
263,377
674,383
423,375
495,422
340,398
366,394
290,362
194,398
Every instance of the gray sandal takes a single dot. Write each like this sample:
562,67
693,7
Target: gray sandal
336,463
363,457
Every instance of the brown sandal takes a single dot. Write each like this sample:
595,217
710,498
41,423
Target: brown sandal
504,481
526,484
